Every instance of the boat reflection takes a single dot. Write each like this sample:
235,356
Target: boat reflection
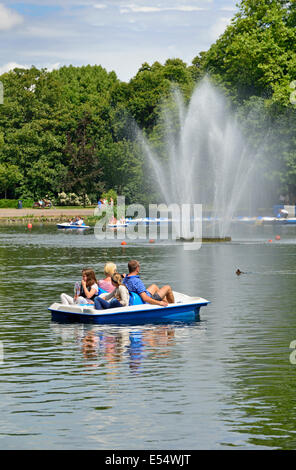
152,343
111,346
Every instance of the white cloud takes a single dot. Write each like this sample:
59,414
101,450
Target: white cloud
219,27
231,9
8,18
14,65
10,66
100,6
147,9
49,32
55,66
96,32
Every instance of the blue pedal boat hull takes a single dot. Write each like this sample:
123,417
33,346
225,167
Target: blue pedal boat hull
71,227
137,314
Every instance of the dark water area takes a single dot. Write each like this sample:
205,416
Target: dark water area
224,382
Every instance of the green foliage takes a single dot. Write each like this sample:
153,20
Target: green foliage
10,175
256,55
75,129
254,62
111,194
13,203
151,85
83,169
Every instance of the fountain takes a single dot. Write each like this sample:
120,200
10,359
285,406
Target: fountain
203,158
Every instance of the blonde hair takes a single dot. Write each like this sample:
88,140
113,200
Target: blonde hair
117,278
110,269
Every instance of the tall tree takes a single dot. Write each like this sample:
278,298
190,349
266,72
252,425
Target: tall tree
83,175
10,176
256,55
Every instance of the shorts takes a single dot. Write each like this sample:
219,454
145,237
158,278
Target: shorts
156,297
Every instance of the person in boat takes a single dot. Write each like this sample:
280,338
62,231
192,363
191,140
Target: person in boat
119,297
283,214
113,220
74,221
153,294
87,292
79,221
106,283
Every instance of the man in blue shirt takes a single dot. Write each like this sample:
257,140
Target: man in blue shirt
153,294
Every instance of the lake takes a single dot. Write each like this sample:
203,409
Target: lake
224,382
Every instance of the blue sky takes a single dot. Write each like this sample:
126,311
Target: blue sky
118,34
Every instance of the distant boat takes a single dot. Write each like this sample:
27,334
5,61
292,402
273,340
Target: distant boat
266,220
148,221
67,225
117,225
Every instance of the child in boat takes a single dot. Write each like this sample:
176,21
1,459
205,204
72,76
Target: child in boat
86,293
109,270
119,297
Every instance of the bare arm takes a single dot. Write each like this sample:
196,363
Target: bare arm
110,295
88,293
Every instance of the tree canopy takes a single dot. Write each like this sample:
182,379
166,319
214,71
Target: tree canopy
74,129
256,55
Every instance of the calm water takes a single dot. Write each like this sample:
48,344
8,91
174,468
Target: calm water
224,382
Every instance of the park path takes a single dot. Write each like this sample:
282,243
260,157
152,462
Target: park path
46,212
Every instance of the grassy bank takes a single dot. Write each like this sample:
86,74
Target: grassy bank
44,219
54,215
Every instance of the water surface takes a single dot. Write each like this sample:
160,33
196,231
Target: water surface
224,382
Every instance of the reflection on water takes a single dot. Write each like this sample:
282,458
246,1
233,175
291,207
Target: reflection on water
223,382
109,347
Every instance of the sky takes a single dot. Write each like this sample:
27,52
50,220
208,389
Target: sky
119,35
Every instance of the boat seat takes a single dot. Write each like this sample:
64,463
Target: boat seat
135,299
102,291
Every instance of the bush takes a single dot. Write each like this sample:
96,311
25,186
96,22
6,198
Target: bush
72,199
13,203
110,194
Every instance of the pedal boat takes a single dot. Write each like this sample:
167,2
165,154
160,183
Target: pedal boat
185,308
66,225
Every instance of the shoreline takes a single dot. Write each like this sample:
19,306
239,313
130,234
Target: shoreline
44,215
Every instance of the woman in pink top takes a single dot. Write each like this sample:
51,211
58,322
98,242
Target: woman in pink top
109,270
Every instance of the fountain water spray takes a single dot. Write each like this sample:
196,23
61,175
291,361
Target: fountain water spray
203,158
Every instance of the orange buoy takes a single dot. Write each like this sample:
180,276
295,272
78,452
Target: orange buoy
29,225
151,241
277,237
270,241
123,243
